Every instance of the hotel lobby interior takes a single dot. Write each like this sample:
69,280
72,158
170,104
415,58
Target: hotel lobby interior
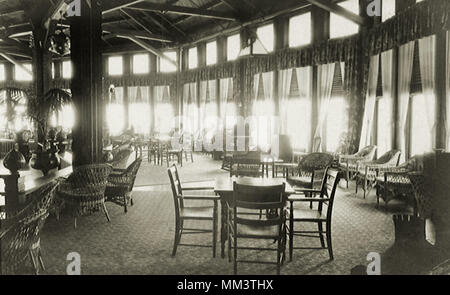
220,137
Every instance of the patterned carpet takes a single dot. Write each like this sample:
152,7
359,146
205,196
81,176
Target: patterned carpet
140,242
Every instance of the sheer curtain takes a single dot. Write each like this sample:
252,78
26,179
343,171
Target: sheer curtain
139,110
202,110
263,111
164,112
303,134
186,95
406,56
386,123
115,112
427,56
284,90
324,85
369,108
193,109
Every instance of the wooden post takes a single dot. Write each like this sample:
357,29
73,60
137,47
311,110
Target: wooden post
86,51
441,75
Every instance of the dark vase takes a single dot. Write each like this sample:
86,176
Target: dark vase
14,161
45,160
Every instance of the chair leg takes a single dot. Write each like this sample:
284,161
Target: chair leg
347,176
176,239
329,244
34,261
278,256
41,261
235,255
322,242
214,230
125,201
365,187
291,232
106,212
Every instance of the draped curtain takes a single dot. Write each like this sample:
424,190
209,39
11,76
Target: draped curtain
262,124
284,90
202,109
115,112
164,112
386,123
324,85
369,109
427,57
406,56
193,110
139,109
303,134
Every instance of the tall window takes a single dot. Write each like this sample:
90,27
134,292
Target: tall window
141,64
421,138
193,58
164,65
115,111
266,36
387,9
139,109
211,53
336,126
383,125
115,65
164,113
67,69
21,75
341,26
300,30
2,72
233,46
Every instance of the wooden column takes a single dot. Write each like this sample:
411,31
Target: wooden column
281,31
320,27
153,60
441,75
86,51
221,58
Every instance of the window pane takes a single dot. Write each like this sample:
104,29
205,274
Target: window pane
211,53
388,9
340,26
384,127
336,123
67,69
421,138
2,72
166,66
193,58
233,46
266,36
115,66
300,30
140,64
21,75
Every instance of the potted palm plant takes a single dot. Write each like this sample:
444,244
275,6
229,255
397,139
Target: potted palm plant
39,109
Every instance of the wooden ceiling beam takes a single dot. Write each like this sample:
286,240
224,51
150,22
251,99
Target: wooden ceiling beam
147,47
121,6
212,4
12,60
138,34
164,8
339,10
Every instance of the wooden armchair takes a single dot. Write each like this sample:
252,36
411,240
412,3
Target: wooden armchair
349,163
369,171
84,189
120,185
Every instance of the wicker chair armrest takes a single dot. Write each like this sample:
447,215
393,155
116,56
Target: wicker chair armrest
199,197
120,179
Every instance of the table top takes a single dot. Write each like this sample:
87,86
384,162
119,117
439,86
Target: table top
224,184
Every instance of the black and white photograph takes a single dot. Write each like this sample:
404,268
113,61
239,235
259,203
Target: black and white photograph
224,144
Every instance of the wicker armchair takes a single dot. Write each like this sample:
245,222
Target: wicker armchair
308,167
394,182
120,185
84,189
369,171
349,163
21,241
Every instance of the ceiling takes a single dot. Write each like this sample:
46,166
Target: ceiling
158,23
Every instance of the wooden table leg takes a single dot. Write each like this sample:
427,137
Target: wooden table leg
223,226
